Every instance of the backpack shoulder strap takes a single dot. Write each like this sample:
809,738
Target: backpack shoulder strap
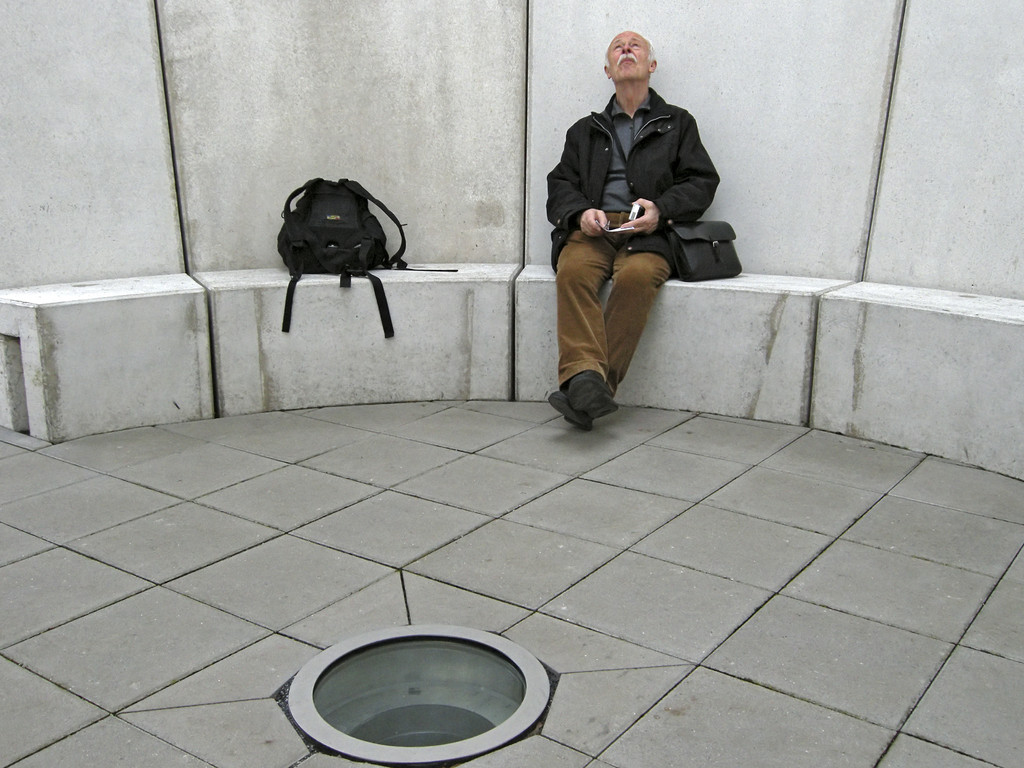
288,213
358,189
290,223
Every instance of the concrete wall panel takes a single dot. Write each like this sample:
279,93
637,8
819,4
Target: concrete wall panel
88,187
450,342
422,102
952,187
105,355
790,97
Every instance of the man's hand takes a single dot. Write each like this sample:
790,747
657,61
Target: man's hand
649,221
593,222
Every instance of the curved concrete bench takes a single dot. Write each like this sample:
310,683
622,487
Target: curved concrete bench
932,371
98,356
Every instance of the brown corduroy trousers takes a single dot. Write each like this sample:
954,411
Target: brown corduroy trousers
604,339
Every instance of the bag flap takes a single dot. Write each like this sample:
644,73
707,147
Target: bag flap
704,230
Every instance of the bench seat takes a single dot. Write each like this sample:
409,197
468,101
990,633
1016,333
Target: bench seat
98,356
451,337
741,347
933,371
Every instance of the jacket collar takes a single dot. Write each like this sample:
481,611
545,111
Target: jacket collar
658,108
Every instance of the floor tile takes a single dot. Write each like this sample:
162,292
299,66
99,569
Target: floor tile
234,735
865,669
617,517
668,473
592,709
999,628
908,752
383,460
113,450
378,606
661,606
803,502
277,435
638,425
537,413
173,541
7,446
36,712
739,547
627,426
129,650
845,460
532,751
53,587
895,589
1016,570
514,563
433,602
972,490
484,485
566,647
944,535
12,443
277,583
31,473
255,672
975,707
197,471
377,417
288,497
330,761
112,742
558,447
706,723
749,442
82,508
461,429
17,545
392,528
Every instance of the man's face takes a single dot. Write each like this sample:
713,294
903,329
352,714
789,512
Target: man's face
629,58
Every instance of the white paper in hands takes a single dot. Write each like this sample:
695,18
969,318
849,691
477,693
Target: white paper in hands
632,215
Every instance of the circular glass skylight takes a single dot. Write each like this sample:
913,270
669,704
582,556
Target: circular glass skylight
419,695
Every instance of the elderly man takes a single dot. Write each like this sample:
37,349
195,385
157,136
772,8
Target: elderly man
640,154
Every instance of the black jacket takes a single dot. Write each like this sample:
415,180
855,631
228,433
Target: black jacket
667,165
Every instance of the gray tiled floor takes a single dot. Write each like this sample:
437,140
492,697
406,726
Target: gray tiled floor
711,591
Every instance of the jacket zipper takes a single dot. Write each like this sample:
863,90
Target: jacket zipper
639,134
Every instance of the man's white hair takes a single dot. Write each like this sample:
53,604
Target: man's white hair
650,52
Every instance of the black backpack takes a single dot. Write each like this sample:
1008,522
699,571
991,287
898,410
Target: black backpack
331,231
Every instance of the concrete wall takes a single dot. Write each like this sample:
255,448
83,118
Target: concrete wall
420,101
453,113
952,193
86,182
790,98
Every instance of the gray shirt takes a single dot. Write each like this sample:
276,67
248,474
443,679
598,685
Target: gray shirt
617,195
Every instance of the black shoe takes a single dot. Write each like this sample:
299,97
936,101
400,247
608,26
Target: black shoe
560,402
589,393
